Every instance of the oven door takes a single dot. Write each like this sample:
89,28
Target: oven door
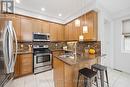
42,59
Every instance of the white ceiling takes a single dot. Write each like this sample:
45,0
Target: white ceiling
114,6
68,8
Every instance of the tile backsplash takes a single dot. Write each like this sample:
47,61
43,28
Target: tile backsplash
78,46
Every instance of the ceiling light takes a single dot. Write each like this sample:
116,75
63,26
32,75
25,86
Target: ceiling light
60,14
17,1
43,9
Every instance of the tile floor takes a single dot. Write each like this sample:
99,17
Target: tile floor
116,79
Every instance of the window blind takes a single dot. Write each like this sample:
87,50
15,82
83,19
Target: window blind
126,27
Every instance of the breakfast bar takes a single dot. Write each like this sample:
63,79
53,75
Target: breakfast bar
66,67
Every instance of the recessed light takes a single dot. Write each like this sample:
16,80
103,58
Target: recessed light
60,14
17,1
43,9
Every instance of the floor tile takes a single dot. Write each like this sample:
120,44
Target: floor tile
45,79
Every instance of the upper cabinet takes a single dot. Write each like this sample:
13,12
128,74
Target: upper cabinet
45,27
53,32
26,29
37,25
60,31
91,20
16,23
72,32
56,32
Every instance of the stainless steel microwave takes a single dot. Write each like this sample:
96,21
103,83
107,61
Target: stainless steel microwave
41,37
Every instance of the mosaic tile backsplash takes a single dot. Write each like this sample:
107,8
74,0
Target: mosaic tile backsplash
72,46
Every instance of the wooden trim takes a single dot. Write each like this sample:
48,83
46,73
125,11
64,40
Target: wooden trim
38,19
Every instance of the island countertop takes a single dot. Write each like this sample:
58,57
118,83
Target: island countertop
78,58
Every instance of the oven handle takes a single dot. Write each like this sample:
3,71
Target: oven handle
43,54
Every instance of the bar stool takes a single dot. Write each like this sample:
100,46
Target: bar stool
89,76
101,69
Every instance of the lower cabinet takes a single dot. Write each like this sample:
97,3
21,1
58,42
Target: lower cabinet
24,65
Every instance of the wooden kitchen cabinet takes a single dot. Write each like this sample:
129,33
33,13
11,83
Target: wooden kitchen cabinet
91,20
24,65
63,74
72,32
56,32
60,31
17,68
53,32
45,27
26,28
17,24
58,72
37,26
66,32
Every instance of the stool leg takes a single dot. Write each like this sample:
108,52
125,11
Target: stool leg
85,82
102,78
78,80
96,80
107,78
88,82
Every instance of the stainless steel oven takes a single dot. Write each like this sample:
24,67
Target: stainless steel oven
41,37
42,58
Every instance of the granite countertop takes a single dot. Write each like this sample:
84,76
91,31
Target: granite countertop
77,58
25,52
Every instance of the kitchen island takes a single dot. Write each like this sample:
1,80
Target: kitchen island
66,67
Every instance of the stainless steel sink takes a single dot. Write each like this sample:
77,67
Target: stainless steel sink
67,56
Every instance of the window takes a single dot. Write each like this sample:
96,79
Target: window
126,35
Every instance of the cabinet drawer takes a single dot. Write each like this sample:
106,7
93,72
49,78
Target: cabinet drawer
27,58
26,64
26,70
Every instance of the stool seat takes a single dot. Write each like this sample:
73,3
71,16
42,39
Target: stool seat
99,67
87,72
89,76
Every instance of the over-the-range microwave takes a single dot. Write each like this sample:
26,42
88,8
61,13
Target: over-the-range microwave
41,37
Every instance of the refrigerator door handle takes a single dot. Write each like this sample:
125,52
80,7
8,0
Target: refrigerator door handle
16,46
14,38
5,49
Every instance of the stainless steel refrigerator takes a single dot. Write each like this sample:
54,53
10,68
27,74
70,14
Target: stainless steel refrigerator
8,52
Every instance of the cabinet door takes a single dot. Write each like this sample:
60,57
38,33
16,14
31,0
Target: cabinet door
80,28
36,26
70,31
60,29
17,68
26,29
67,32
92,26
53,32
16,23
26,64
45,27
74,31
58,72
